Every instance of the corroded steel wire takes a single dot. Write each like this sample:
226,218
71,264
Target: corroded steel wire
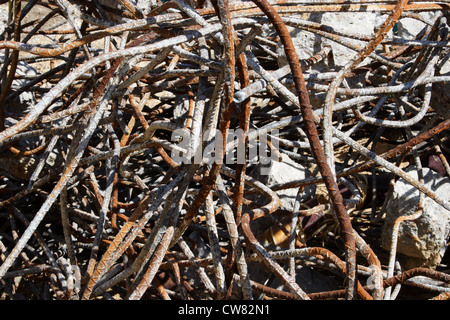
109,187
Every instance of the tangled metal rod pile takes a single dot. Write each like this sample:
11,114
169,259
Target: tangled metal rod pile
108,190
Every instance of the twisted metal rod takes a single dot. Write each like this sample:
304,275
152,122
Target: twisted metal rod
126,204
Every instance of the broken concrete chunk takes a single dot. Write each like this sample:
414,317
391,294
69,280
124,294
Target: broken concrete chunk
308,43
408,28
422,242
3,18
284,171
363,24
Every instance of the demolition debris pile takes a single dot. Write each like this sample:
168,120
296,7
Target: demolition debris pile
283,149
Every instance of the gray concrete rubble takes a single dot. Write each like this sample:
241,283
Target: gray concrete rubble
277,172
421,242
360,24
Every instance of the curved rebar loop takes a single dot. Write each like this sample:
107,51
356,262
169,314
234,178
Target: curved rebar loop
380,102
428,71
426,100
397,123
355,197
355,61
394,239
316,148
376,278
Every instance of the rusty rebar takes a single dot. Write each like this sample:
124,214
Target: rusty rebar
131,143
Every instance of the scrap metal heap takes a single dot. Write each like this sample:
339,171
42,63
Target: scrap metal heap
138,140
